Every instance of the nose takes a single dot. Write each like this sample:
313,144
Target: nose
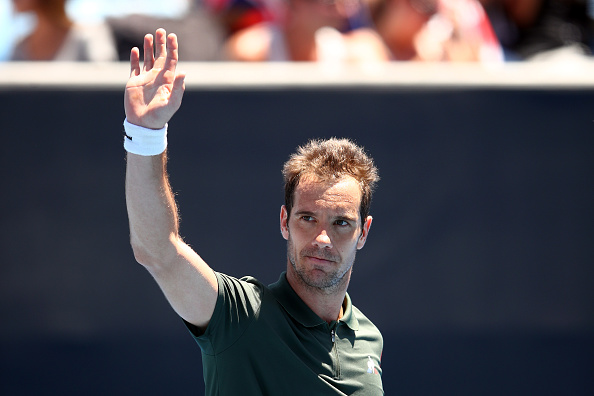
323,240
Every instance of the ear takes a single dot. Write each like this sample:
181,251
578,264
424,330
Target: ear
364,232
284,222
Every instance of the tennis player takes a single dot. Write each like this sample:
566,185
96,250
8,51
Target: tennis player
299,336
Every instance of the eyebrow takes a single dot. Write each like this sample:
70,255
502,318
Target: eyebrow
338,217
348,218
304,213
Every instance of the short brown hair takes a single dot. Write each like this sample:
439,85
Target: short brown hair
331,160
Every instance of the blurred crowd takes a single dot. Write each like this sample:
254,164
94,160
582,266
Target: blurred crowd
323,30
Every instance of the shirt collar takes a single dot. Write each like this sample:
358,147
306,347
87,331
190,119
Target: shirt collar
299,310
348,317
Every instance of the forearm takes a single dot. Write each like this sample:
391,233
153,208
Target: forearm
152,211
153,94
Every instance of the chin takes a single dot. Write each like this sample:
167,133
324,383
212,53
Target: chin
319,279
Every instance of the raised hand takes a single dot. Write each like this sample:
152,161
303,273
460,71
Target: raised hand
154,93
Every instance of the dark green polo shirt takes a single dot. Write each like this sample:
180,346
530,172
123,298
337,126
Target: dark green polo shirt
267,341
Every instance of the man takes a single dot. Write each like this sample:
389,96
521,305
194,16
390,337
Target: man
298,336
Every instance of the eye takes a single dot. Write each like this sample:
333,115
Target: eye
307,218
342,223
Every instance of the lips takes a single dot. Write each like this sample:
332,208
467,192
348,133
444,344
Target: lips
319,260
319,256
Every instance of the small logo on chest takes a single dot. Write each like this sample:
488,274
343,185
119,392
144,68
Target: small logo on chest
371,369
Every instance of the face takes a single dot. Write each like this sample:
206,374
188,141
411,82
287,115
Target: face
323,233
24,5
400,24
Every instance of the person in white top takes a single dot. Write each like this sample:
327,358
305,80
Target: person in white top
55,37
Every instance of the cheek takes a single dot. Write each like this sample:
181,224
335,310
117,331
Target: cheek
298,231
347,245
290,242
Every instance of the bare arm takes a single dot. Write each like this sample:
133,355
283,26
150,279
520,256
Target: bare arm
152,96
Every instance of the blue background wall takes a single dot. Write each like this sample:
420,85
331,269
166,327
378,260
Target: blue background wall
479,267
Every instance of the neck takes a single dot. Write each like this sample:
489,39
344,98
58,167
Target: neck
327,304
47,37
46,23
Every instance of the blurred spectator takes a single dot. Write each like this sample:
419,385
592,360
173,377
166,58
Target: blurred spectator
56,38
310,30
542,29
200,33
236,15
436,30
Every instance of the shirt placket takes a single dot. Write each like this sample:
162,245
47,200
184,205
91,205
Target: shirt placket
335,355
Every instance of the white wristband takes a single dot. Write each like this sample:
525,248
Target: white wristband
144,141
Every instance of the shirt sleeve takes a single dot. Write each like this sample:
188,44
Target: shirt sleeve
238,303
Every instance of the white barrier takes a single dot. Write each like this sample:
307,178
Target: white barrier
226,75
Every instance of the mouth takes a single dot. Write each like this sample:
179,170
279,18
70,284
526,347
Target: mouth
319,260
319,257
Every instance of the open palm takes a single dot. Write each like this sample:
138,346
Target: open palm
154,93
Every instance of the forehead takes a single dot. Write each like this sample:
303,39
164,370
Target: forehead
343,194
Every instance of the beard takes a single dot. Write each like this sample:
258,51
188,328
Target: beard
327,280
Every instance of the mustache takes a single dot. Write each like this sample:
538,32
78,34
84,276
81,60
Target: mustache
319,253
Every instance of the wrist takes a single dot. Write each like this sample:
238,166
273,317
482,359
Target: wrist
144,141
143,123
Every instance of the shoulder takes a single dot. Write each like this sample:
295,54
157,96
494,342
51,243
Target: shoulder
240,290
96,40
240,296
365,44
250,44
19,51
367,327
